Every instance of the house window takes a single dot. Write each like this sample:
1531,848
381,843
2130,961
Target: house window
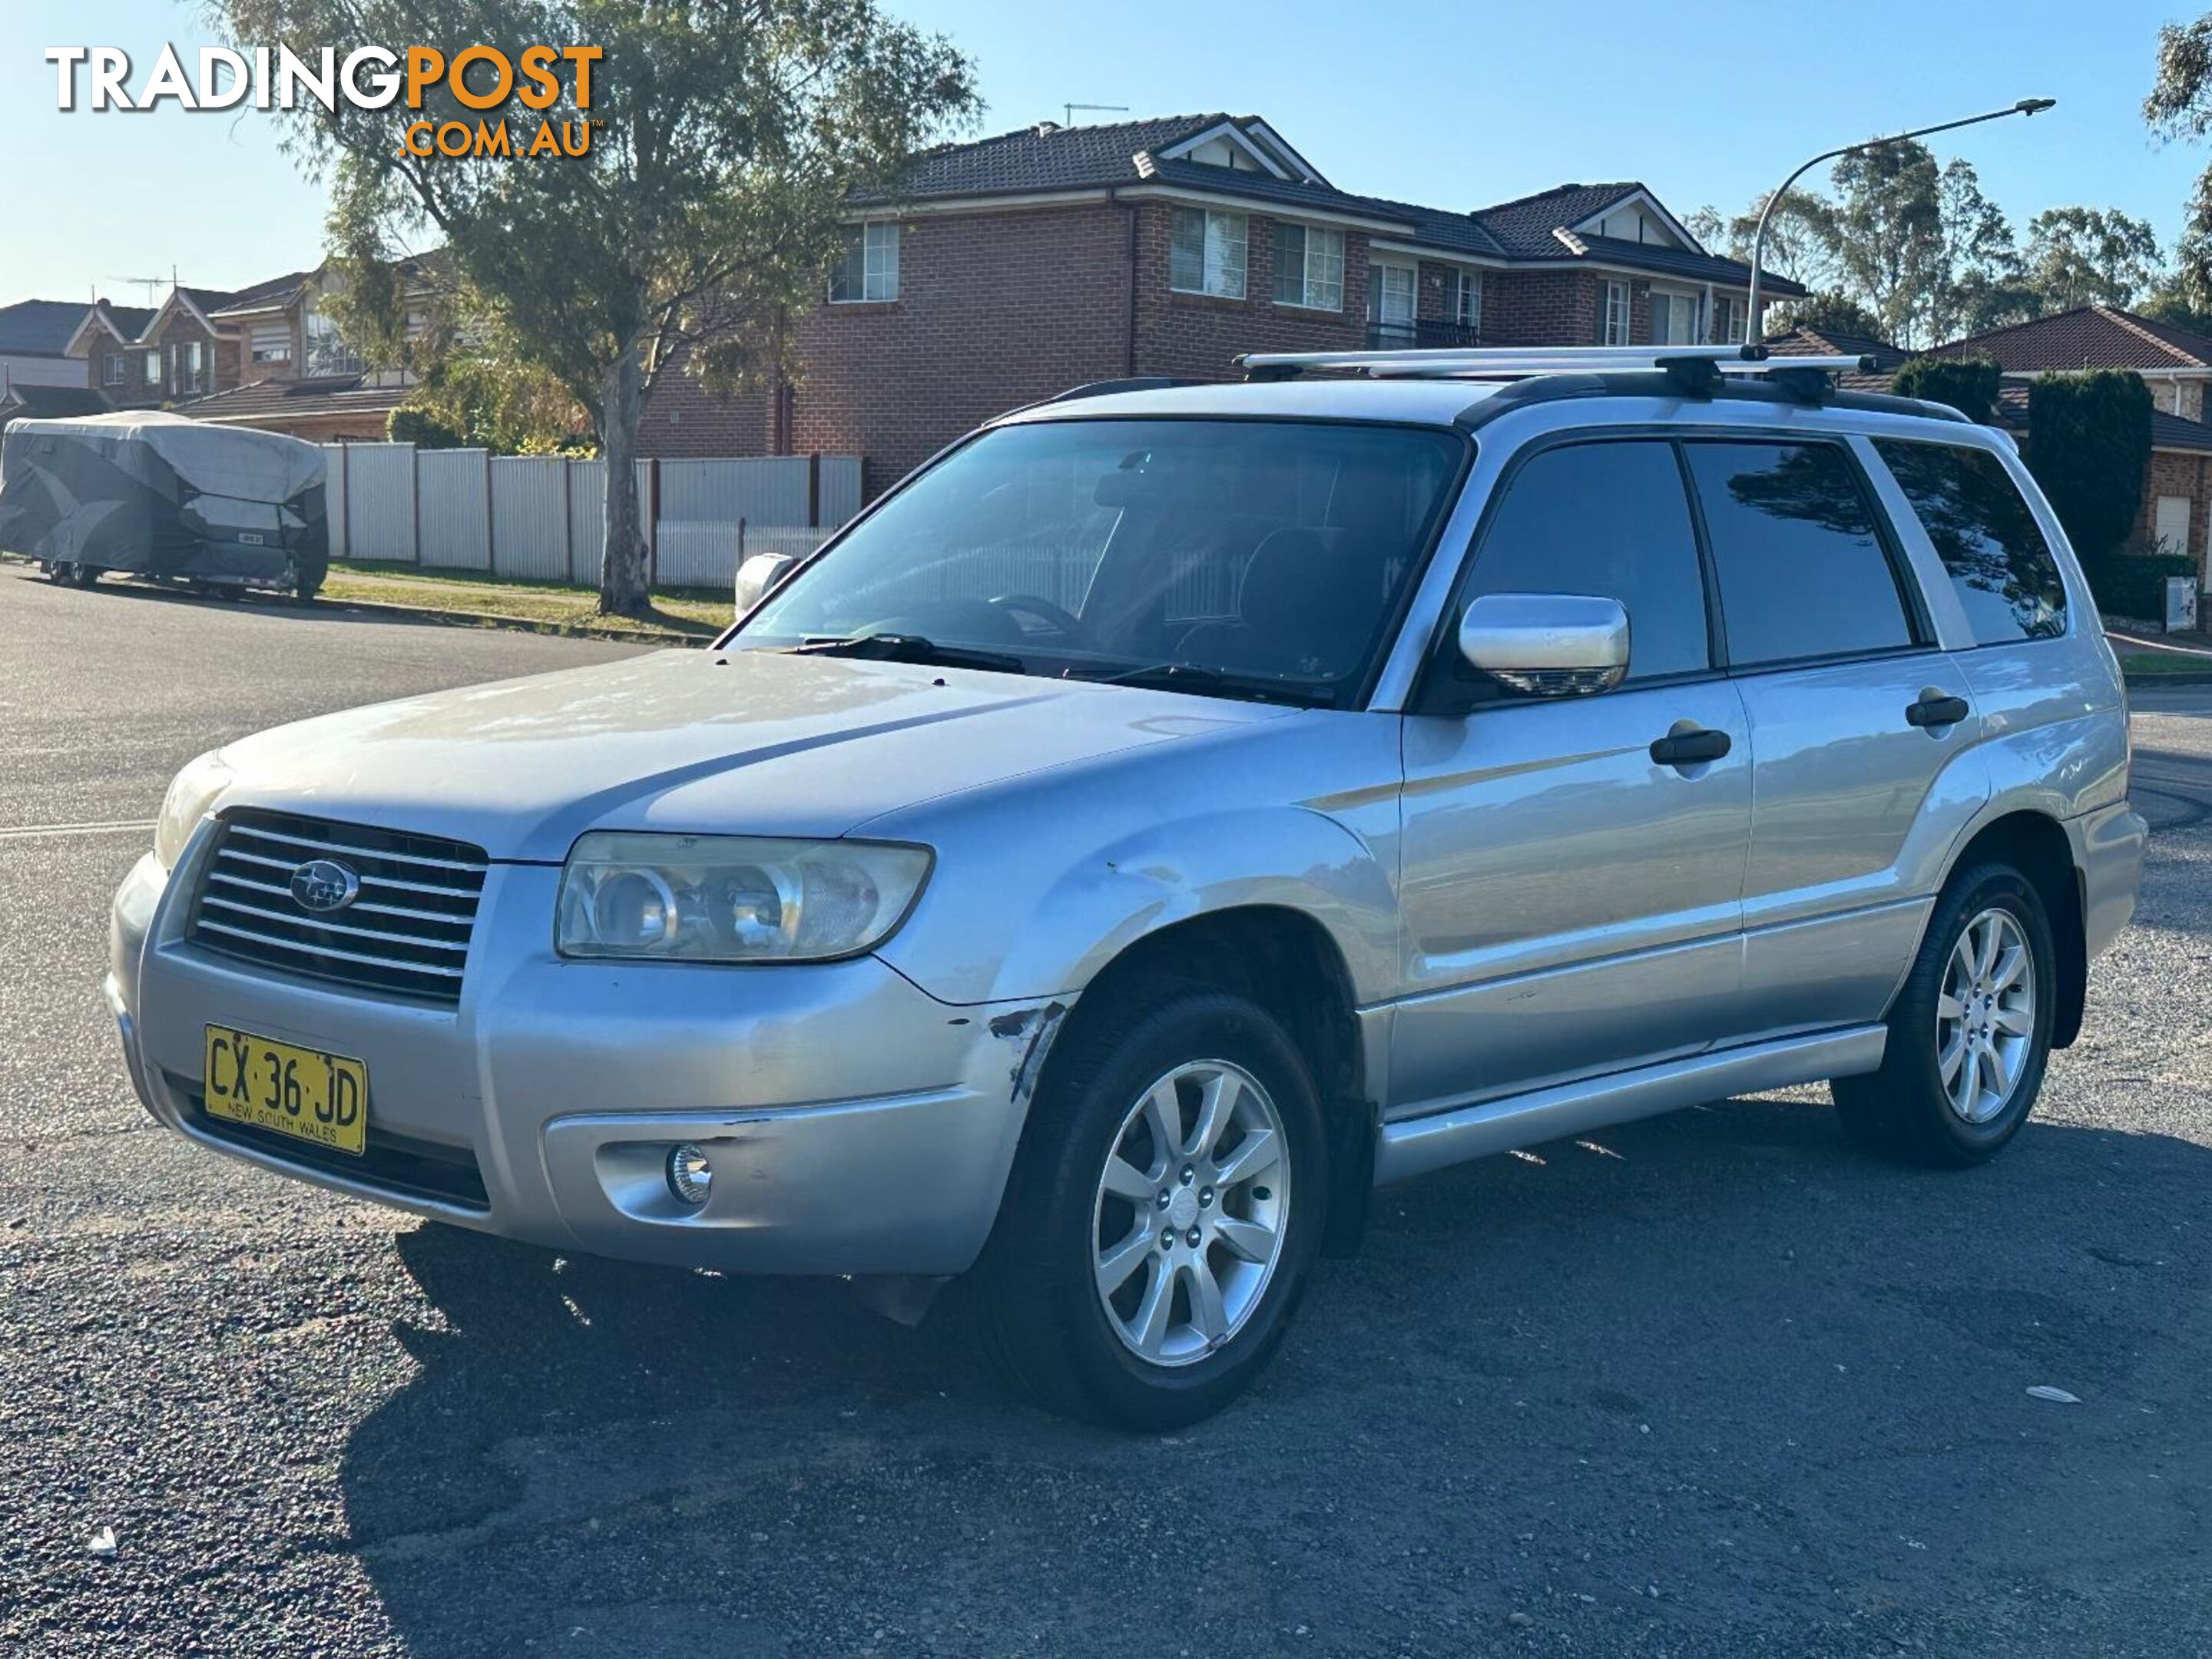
1206,253
1466,300
869,267
114,370
1728,320
1673,317
1613,326
1309,267
326,354
270,343
1391,291
154,367
190,369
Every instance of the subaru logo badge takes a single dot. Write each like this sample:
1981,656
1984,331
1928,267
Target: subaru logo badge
325,885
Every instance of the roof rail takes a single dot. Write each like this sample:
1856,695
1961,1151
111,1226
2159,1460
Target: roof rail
1693,365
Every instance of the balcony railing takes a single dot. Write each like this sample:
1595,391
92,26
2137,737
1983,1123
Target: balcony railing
1423,335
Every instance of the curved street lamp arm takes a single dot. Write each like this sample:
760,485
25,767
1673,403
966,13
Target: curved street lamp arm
2025,106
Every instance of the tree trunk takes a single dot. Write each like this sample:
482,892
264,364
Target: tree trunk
622,591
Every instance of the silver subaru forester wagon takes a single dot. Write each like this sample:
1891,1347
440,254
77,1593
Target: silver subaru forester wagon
1169,814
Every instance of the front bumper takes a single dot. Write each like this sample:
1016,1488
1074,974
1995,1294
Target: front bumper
853,1123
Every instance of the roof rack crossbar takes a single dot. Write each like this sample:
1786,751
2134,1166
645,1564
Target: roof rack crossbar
1517,362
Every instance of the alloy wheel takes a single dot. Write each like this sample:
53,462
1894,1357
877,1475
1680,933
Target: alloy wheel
1188,1225
1985,1016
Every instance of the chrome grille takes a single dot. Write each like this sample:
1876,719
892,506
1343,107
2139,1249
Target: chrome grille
406,934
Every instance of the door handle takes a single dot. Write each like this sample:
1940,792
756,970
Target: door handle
1936,711
1688,748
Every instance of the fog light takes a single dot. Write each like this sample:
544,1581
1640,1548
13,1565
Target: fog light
688,1177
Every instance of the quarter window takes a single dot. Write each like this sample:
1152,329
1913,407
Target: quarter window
869,269
1309,267
1802,569
1610,520
2001,567
1206,253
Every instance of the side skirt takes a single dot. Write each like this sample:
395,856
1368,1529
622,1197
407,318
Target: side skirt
1415,1146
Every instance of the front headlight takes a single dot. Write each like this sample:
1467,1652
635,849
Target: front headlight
191,793
733,898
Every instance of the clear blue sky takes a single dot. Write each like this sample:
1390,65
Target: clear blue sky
1452,102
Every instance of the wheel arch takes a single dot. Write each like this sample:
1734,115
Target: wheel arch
2036,844
1286,961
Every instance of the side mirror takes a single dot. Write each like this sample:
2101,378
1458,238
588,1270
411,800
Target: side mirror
1546,645
756,575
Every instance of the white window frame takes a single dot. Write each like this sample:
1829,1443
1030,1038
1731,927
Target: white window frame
153,366
1732,326
114,369
872,253
1672,297
1466,286
1321,267
1613,317
1224,256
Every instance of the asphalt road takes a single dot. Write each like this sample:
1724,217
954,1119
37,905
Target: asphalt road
1710,1384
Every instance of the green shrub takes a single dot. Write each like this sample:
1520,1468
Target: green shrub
1968,384
2130,584
406,425
2089,444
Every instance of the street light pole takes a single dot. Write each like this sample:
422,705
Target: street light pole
2025,106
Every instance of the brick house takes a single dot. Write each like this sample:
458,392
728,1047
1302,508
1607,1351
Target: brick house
267,357
1006,269
2176,510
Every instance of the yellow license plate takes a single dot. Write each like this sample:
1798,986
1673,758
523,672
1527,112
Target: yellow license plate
300,1092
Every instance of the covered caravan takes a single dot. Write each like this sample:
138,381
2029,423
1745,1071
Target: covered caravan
160,495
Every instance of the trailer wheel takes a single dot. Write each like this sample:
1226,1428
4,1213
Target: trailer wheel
84,575
58,572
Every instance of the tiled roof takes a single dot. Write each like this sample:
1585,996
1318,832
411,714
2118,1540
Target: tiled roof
1804,342
330,394
1045,158
274,291
1524,226
131,320
1048,157
1676,262
52,403
2088,337
40,328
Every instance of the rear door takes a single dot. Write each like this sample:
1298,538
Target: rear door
1859,725
1570,901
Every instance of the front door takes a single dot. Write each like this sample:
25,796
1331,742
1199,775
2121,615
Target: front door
1571,902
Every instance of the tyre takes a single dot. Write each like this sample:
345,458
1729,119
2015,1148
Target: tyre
1969,1033
59,572
1162,1215
84,575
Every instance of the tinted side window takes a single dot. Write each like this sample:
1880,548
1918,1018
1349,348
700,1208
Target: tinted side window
1801,568
1608,519
2002,569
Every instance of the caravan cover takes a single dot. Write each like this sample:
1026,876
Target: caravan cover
162,495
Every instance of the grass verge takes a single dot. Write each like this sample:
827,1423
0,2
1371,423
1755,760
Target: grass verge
679,613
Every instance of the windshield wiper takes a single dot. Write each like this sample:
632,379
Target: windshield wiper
1201,681
909,648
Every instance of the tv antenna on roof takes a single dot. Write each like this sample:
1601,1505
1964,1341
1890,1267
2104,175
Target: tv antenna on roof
152,285
1070,109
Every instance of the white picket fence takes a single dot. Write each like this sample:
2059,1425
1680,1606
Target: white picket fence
542,516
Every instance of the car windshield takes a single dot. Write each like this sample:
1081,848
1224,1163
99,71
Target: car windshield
1243,558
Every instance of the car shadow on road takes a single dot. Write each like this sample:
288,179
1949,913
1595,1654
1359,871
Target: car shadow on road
1716,1376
